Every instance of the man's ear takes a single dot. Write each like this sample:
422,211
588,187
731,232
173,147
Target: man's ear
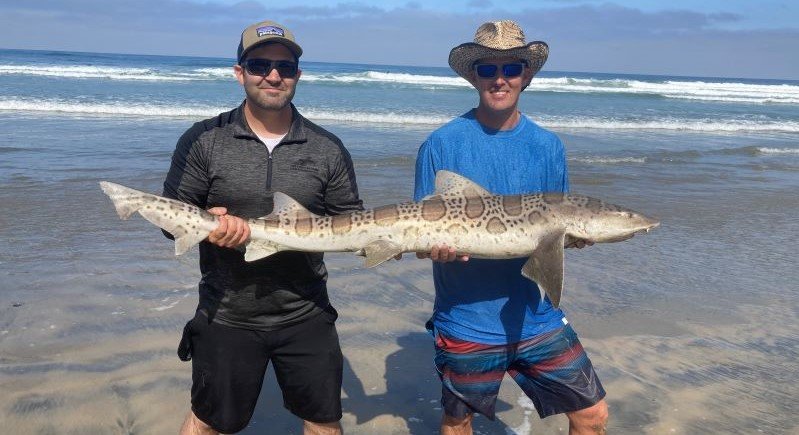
528,77
238,70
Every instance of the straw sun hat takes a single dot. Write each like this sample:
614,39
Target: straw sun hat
497,39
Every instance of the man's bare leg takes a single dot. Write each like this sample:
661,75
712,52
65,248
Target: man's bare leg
194,426
589,421
456,425
311,428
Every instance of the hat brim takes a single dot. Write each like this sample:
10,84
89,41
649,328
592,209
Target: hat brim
463,57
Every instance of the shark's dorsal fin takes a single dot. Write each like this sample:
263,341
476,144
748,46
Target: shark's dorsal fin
545,266
287,206
451,184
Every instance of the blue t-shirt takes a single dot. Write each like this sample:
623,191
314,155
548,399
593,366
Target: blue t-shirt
482,300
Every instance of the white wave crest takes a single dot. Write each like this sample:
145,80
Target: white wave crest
694,90
164,110
68,107
686,90
380,118
215,73
765,150
689,90
723,125
107,109
116,73
388,78
608,160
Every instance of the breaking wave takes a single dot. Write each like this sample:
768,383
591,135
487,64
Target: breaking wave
608,160
67,107
107,109
765,150
759,150
117,73
696,90
687,90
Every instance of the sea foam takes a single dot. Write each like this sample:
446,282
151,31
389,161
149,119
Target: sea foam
696,90
67,107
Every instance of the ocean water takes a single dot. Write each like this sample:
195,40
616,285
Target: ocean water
692,327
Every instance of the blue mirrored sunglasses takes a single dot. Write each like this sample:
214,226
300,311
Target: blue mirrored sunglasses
263,67
489,70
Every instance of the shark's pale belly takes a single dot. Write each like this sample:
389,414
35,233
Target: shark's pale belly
470,237
461,214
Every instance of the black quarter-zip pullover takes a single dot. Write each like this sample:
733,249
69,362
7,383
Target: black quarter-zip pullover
221,162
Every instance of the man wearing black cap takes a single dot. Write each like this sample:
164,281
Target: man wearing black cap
489,320
275,309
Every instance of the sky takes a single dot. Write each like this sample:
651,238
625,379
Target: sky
712,38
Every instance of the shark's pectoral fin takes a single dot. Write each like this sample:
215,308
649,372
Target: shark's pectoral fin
380,251
545,267
184,242
185,237
258,249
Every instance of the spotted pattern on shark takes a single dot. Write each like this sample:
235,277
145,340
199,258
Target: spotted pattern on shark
460,213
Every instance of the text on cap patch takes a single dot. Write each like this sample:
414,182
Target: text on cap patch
269,30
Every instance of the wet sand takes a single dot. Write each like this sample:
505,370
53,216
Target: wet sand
663,374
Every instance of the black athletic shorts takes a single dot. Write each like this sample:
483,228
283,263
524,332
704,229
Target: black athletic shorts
228,366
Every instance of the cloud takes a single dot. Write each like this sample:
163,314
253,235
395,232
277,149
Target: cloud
584,37
609,21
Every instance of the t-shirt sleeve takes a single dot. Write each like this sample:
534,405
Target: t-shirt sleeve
425,182
565,166
560,167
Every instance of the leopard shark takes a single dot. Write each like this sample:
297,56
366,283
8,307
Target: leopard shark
459,213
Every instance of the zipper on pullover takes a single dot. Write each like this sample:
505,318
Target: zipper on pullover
269,172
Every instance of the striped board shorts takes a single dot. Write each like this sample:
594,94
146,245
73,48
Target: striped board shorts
552,369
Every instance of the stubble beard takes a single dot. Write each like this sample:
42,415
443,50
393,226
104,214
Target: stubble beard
265,102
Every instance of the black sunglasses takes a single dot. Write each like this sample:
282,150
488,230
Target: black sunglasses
489,70
263,67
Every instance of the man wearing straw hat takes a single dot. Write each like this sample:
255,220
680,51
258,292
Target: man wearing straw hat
488,319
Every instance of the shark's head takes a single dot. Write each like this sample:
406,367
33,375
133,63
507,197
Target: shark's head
592,219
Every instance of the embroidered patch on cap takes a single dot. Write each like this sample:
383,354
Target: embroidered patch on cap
269,30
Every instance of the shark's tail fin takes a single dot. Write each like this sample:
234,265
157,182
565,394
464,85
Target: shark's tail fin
193,226
126,200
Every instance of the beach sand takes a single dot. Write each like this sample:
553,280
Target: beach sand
663,374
